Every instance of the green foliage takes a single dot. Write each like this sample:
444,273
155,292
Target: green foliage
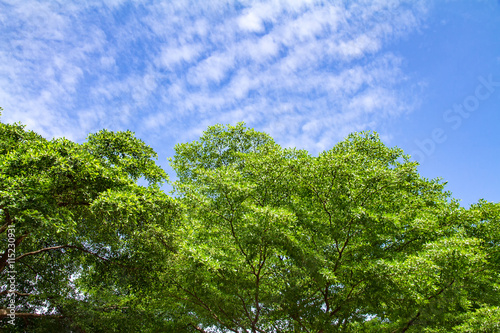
85,232
259,238
219,146
277,240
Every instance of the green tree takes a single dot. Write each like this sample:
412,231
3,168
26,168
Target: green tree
258,239
85,233
352,240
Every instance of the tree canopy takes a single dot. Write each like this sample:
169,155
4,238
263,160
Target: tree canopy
84,230
352,240
255,238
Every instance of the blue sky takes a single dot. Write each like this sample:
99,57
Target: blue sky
424,74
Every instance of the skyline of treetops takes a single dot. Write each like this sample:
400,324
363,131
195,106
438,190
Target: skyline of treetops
255,237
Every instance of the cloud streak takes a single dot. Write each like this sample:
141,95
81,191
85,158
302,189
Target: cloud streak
308,72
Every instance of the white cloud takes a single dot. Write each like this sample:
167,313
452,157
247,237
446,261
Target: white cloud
108,62
358,47
306,71
241,84
260,50
171,56
251,22
211,70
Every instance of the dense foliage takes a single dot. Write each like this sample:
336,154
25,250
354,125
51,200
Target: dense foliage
277,240
257,238
85,232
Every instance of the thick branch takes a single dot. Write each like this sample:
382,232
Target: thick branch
325,297
5,292
60,247
5,312
7,219
5,256
410,323
6,225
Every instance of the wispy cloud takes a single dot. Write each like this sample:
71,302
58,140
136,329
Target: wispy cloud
308,72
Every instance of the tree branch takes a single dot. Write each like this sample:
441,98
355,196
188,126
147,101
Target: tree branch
442,289
60,247
410,323
8,219
200,302
7,291
198,329
4,313
5,256
429,298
